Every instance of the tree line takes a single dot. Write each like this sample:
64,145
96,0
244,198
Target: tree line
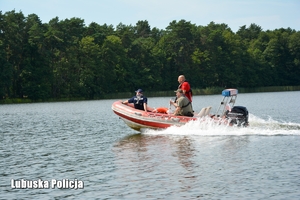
67,59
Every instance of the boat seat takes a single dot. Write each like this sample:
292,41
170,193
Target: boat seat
207,110
204,111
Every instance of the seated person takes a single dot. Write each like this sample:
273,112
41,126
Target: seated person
182,104
139,101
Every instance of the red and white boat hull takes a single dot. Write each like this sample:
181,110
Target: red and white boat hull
138,119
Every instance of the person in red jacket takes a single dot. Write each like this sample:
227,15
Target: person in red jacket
185,86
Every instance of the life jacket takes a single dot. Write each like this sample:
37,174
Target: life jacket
190,91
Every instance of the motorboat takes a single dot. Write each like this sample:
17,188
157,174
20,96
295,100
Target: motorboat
161,118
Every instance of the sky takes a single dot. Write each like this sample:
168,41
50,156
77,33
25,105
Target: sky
268,14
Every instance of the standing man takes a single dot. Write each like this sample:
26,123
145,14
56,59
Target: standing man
139,100
182,104
185,86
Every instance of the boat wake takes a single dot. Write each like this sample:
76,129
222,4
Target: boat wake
208,127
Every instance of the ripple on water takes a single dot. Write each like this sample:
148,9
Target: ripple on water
86,141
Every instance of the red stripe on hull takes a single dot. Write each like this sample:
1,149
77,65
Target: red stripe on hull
143,122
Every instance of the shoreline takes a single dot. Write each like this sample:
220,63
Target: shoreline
122,95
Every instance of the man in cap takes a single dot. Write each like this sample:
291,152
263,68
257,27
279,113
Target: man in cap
139,101
182,104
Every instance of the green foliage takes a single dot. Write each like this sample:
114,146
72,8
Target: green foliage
64,59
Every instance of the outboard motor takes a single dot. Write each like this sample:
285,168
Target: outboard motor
238,116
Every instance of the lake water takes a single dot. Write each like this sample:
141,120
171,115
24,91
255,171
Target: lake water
86,143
